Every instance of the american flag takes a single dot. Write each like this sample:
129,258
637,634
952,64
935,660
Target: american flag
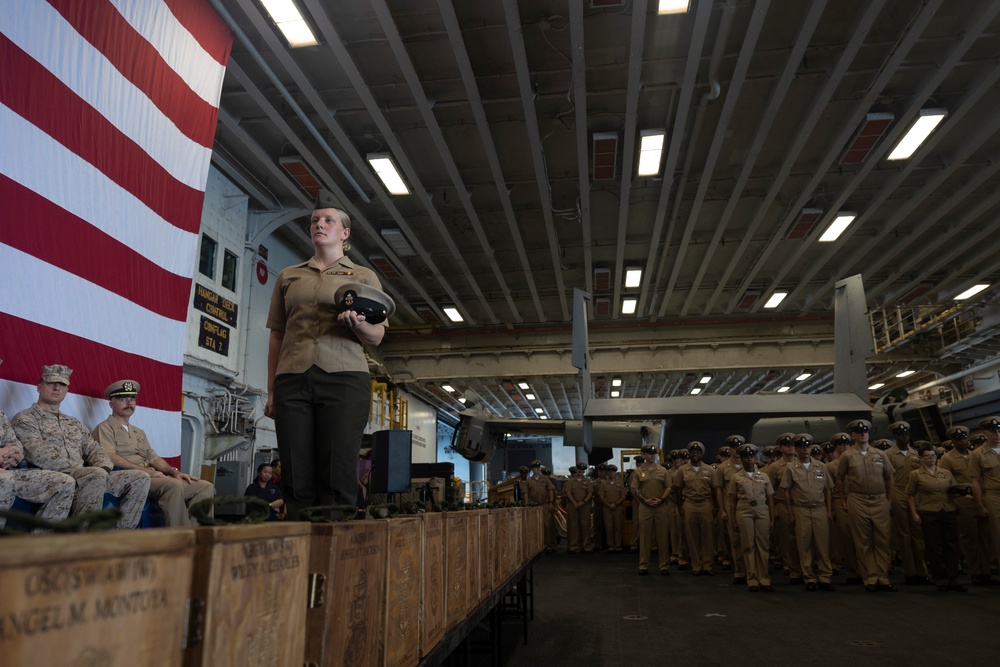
107,115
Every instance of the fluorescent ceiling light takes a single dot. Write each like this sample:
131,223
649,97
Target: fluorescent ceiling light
905,374
804,376
523,385
837,227
918,133
633,277
696,391
673,6
615,394
289,20
386,170
971,292
616,382
628,306
705,379
453,314
529,397
543,416
539,410
782,390
877,385
775,299
448,388
650,152
461,400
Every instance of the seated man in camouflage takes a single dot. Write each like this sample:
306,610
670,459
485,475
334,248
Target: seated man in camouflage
53,490
55,441
129,449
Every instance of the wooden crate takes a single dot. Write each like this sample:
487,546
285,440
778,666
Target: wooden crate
484,582
432,583
344,623
458,563
253,583
400,645
517,541
498,545
114,599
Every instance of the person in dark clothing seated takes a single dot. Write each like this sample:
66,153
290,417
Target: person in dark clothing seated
268,491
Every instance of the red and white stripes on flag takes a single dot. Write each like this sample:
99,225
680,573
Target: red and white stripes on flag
107,115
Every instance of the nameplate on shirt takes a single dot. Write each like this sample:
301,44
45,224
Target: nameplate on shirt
340,272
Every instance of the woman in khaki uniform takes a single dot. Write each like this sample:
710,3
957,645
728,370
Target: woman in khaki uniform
929,494
751,511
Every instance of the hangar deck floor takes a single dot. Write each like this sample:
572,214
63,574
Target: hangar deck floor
594,610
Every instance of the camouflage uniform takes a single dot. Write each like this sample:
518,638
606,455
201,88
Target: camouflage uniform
52,490
55,441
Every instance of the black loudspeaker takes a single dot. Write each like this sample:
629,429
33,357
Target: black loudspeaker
391,461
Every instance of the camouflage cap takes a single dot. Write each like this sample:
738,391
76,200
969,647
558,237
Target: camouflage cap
122,388
56,373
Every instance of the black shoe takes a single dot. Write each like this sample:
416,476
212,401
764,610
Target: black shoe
767,589
852,581
871,588
673,561
888,588
727,566
737,581
753,589
664,573
918,581
958,588
796,581
683,566
826,587
810,586
643,572
942,588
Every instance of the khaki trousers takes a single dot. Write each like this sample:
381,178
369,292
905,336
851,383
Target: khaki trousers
845,543
869,519
973,538
908,537
174,496
754,525
653,524
549,525
700,536
614,519
812,539
785,535
678,545
578,526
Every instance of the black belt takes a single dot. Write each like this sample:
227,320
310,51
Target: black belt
869,496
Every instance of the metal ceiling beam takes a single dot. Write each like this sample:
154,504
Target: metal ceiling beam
803,133
635,57
749,45
482,124
333,42
660,246
974,29
582,138
444,152
520,56
770,114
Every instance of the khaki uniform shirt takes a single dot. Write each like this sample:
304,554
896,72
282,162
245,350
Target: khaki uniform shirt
775,472
695,485
864,473
132,444
930,489
751,490
724,473
650,480
55,441
958,465
806,486
302,306
541,490
984,465
902,466
613,490
831,470
578,490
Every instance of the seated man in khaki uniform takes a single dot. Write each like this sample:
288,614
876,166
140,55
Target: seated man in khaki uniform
53,440
129,449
